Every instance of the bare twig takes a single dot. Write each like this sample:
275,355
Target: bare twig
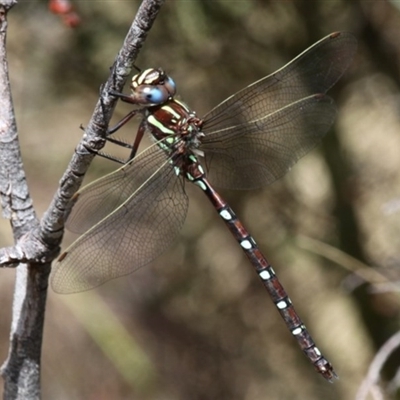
38,244
359,269
370,383
21,373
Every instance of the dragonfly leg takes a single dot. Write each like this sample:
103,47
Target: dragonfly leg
139,136
119,142
122,143
134,147
110,157
122,122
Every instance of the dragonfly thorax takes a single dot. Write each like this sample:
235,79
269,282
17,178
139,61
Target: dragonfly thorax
175,127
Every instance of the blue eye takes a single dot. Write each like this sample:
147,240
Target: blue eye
155,95
170,83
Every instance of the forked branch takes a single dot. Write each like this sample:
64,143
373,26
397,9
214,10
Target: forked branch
37,243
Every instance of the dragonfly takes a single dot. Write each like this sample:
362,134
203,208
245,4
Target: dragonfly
129,217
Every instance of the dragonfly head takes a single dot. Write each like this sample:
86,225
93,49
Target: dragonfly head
151,87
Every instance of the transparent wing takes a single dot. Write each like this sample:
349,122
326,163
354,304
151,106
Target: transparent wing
101,197
256,135
315,70
258,152
143,225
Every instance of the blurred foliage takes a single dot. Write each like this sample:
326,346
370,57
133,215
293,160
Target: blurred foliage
201,325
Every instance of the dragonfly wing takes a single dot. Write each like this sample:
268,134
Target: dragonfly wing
260,151
101,197
135,233
315,70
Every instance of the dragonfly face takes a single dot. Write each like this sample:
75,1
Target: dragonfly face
154,77
151,87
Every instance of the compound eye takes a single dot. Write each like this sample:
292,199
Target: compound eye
170,86
155,94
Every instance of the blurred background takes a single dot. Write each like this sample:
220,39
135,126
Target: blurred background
197,323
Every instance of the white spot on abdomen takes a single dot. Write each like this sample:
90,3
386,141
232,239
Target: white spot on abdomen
265,275
225,214
281,305
246,244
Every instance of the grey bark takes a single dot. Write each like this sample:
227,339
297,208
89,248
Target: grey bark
37,243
